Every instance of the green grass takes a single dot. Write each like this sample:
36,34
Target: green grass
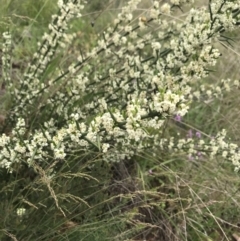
161,197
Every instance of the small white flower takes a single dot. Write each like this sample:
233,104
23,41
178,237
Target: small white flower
105,147
21,211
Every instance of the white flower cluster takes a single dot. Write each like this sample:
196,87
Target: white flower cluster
214,91
169,103
10,152
6,56
115,99
21,211
31,86
198,147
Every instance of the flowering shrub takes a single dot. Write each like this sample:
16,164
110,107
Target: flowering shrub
118,110
114,101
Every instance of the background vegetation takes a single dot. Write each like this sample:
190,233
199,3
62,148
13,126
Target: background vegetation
165,196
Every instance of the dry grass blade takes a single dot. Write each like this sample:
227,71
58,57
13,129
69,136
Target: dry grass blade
236,237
